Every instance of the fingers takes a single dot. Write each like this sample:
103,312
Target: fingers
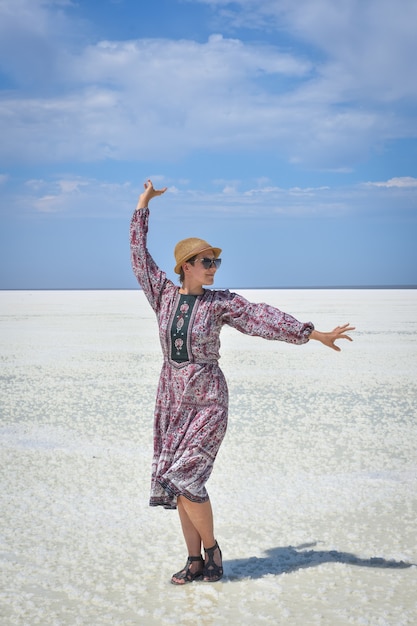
148,185
344,328
340,331
343,336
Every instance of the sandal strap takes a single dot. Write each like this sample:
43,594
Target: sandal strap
211,551
192,559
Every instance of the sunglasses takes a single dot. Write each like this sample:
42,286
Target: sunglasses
208,263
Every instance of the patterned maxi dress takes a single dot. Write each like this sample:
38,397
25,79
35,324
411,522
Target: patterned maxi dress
192,397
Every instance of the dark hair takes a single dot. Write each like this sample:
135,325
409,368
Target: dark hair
190,260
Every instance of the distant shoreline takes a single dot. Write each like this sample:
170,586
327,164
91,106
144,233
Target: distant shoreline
303,288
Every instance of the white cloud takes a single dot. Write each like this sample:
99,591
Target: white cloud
171,97
49,204
89,197
75,196
143,62
400,182
369,46
162,99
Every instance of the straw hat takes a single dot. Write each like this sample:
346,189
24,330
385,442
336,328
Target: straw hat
187,248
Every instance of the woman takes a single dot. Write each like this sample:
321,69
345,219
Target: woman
192,397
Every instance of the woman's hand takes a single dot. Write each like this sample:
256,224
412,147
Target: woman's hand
328,339
148,194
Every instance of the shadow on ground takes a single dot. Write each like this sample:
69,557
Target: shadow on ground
290,559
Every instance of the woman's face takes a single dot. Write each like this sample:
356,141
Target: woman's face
200,274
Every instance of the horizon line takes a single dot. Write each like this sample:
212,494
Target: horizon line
138,288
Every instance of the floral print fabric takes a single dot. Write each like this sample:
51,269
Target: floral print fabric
192,399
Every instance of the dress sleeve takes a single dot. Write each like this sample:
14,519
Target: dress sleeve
264,320
149,276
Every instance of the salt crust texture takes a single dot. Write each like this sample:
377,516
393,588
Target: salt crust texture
314,489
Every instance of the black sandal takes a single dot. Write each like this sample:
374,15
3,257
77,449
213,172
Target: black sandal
212,572
186,574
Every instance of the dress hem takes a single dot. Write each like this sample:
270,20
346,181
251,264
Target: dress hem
169,501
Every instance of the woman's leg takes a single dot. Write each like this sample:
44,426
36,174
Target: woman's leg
191,534
197,524
193,541
198,528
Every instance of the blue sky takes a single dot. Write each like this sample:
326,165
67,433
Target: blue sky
285,131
